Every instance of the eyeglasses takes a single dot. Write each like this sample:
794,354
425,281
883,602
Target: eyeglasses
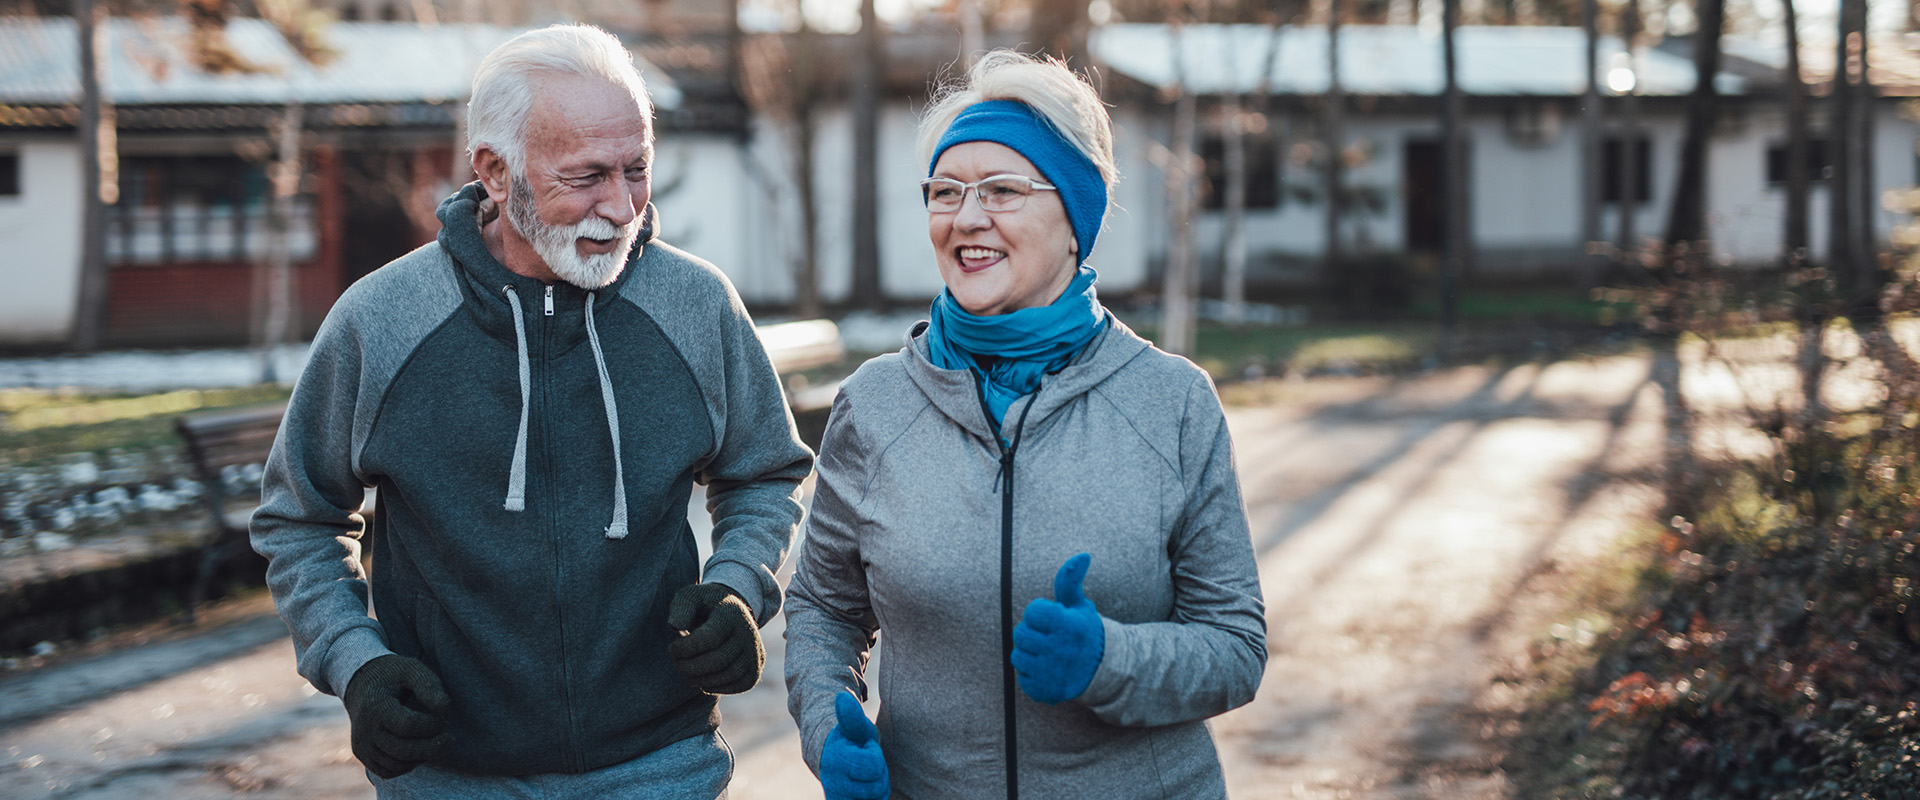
998,193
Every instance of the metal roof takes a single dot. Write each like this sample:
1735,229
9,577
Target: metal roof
1381,60
377,62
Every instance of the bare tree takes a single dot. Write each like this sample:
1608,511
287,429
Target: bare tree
1233,276
1453,172
1178,317
277,312
1059,27
1629,138
1333,134
98,165
1687,217
1797,240
1840,255
779,79
868,73
1590,144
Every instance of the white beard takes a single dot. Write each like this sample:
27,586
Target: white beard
555,243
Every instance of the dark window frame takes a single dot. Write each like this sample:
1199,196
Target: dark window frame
10,184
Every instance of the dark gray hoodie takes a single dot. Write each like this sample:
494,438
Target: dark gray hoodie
512,551
1124,454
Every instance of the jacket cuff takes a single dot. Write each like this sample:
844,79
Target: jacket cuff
744,582
349,653
1116,660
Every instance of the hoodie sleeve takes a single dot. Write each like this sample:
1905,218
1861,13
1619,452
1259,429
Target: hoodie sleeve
307,526
1208,659
753,479
830,621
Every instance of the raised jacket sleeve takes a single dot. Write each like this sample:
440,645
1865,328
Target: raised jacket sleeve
830,622
307,525
1208,659
753,479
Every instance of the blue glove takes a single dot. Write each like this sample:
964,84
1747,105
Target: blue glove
851,766
1059,643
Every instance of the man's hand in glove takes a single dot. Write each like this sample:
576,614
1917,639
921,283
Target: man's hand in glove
1059,643
720,652
851,766
396,709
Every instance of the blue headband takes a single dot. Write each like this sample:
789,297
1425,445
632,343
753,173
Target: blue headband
1017,125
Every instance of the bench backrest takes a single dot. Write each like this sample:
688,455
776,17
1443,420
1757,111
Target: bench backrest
219,439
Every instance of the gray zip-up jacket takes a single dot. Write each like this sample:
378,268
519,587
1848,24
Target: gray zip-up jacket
1123,454
535,447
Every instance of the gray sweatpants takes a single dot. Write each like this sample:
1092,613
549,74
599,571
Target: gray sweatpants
696,767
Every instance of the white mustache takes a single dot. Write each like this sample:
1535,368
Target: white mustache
595,227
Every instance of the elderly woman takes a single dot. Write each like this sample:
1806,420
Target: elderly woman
1036,506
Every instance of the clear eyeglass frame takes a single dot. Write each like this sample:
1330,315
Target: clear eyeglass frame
1008,192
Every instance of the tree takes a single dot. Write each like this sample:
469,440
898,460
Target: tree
1334,136
1059,27
1798,180
1590,177
1179,284
98,153
868,72
1453,171
1687,217
779,79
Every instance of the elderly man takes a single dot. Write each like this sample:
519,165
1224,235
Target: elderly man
534,396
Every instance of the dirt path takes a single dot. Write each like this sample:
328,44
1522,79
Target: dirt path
1405,528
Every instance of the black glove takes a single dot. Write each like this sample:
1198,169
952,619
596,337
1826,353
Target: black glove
397,709
720,652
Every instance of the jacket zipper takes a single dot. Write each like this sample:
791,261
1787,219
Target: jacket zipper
1004,482
554,531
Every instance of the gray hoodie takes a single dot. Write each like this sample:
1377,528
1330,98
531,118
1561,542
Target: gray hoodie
535,447
1125,455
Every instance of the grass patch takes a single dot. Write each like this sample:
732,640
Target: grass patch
1351,348
38,424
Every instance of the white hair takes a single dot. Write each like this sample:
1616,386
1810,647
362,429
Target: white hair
1063,98
506,82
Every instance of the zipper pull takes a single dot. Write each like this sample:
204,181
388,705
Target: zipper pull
1006,467
549,300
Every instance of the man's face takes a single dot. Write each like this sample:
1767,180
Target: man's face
588,177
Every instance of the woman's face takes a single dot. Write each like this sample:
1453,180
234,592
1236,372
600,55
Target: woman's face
1002,261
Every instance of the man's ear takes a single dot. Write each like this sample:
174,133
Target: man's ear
493,172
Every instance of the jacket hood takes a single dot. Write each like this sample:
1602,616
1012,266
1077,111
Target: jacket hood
956,393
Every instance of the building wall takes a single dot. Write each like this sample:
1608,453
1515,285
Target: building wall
40,235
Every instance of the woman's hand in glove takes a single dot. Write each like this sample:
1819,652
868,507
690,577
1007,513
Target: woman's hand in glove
1059,643
851,766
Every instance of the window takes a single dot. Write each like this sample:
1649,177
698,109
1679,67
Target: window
1611,170
1819,162
1263,171
9,174
177,209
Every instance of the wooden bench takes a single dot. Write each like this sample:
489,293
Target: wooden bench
216,440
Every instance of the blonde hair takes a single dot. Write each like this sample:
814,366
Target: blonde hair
1064,99
505,84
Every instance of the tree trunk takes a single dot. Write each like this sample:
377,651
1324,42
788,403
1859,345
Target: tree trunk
972,32
867,291
1590,167
97,151
1798,180
1334,136
1453,173
284,183
1868,276
1629,182
1233,271
1840,259
806,277
1687,217
1178,284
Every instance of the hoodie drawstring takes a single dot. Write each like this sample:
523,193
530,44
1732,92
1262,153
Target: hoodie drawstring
517,476
617,530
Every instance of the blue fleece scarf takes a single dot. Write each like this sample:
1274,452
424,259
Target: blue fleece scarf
1026,344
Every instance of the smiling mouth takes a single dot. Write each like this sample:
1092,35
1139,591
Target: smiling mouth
974,259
